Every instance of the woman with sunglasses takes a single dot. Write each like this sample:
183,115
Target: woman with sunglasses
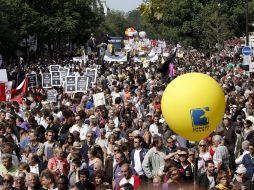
203,155
67,146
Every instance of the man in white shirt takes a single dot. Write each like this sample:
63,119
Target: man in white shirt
109,128
137,156
154,128
78,126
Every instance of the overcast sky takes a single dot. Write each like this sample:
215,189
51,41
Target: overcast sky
123,5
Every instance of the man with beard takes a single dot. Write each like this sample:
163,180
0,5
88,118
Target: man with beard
206,180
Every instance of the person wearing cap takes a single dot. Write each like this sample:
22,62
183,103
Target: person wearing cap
118,137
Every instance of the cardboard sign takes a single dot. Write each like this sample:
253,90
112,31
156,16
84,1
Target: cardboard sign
3,75
52,95
32,80
99,99
82,83
92,73
54,68
46,80
64,73
56,78
70,84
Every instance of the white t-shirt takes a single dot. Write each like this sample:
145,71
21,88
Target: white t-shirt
138,164
211,182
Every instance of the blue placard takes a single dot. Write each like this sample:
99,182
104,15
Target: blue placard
247,50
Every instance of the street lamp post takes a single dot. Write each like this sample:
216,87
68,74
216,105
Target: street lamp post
247,21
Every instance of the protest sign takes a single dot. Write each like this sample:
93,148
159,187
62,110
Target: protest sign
64,72
99,99
8,87
70,84
3,75
82,83
52,95
32,80
54,68
56,78
92,73
46,80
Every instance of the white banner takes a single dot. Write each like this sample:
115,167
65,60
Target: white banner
111,58
80,59
153,58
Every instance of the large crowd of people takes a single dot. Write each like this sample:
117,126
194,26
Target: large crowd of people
126,143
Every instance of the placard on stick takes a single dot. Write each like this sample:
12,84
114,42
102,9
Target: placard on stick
82,83
54,68
32,80
56,78
92,73
46,80
70,84
52,95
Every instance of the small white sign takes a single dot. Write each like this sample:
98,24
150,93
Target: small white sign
99,99
3,75
246,60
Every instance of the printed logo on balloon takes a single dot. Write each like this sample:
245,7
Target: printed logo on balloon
200,122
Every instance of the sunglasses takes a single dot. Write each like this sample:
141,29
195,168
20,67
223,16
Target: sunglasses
6,180
202,145
116,150
182,154
170,142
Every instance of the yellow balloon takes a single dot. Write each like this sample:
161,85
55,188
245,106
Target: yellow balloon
193,105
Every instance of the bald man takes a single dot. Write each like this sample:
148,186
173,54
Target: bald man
128,177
